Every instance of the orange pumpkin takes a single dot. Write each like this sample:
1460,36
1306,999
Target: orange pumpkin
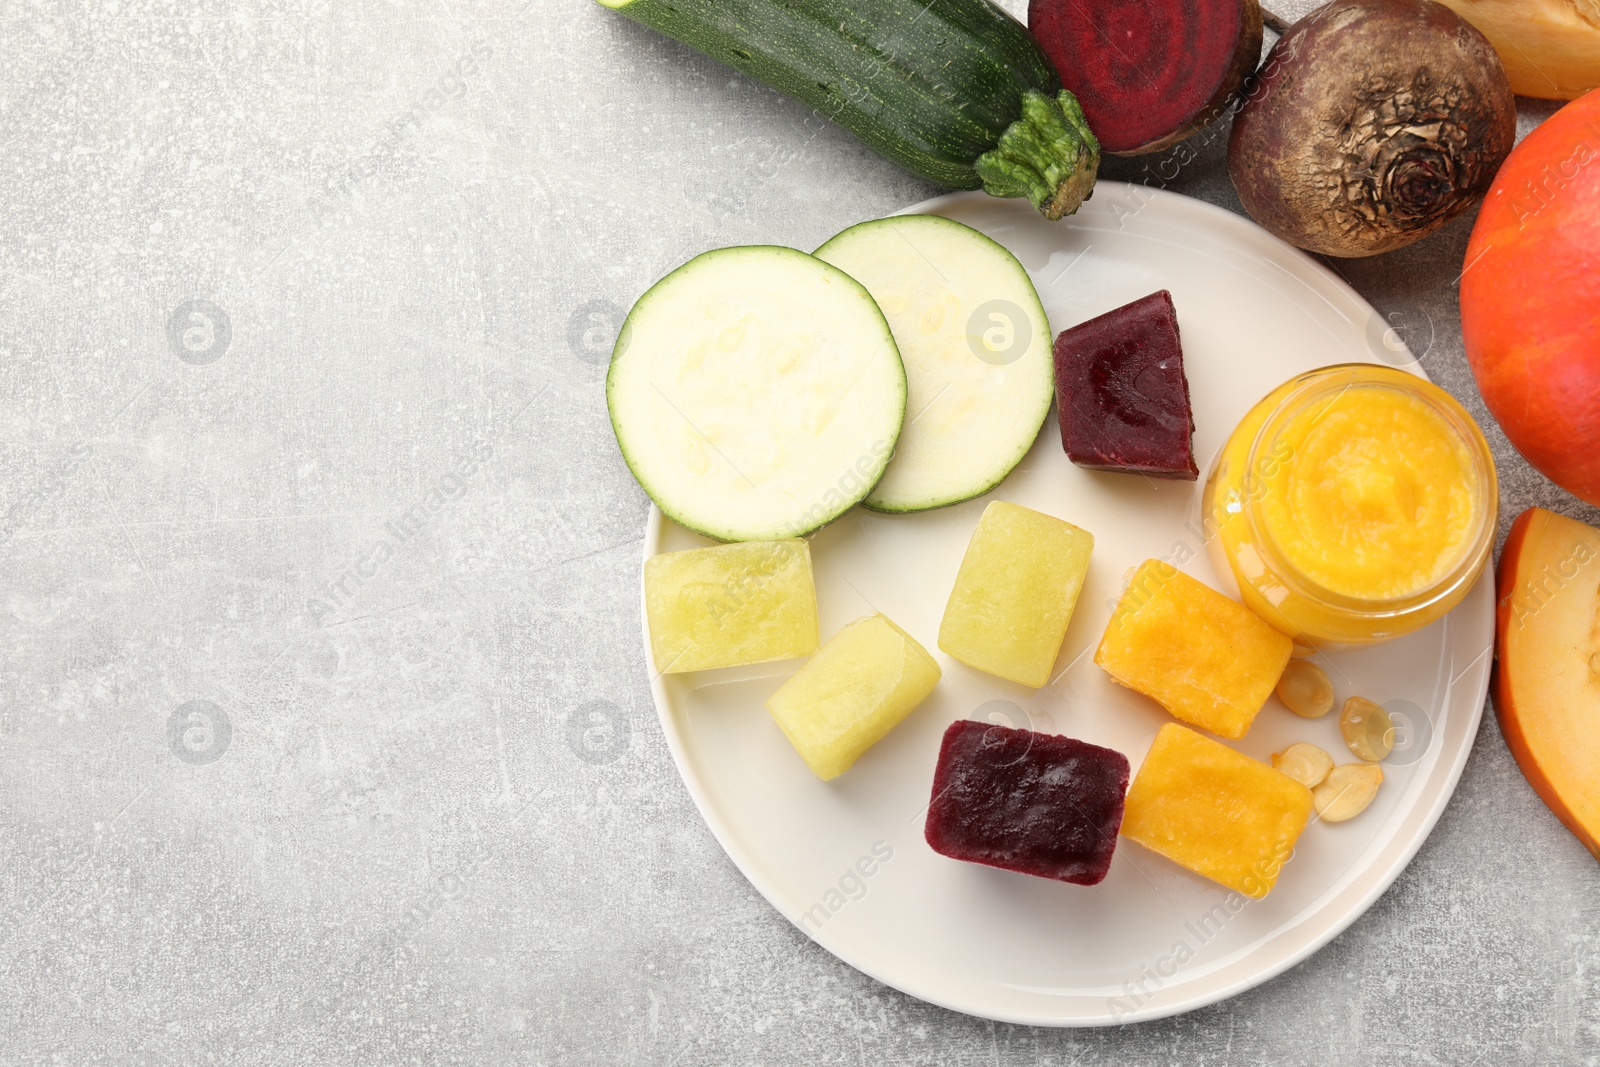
1545,682
1530,298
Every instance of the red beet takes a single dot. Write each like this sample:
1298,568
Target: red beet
1149,72
1022,801
1121,395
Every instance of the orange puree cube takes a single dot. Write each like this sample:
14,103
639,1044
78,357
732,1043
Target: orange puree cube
1219,813
1207,659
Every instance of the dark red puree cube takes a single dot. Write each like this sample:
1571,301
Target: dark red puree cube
1024,801
1121,393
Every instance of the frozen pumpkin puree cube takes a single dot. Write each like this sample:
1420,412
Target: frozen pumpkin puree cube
1219,813
730,605
1015,592
1207,659
853,691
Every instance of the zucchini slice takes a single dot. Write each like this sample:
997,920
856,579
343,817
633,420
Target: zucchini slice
756,393
976,346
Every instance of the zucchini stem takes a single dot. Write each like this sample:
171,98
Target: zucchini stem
1048,155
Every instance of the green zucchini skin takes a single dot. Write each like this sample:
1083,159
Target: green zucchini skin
932,86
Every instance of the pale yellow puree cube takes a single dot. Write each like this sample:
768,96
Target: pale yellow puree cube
1015,592
730,605
857,688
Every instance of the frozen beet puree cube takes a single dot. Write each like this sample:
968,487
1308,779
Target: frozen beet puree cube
1028,802
1121,395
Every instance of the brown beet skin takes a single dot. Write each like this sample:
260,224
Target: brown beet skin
1149,73
1371,124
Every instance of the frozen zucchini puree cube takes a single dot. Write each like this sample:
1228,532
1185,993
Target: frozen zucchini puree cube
1207,659
1015,593
1215,811
730,604
853,691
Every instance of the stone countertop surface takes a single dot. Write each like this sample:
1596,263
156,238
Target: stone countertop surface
325,729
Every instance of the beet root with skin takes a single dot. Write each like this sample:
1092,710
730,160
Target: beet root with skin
1371,124
1149,73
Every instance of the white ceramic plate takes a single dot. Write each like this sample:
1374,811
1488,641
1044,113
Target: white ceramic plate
846,860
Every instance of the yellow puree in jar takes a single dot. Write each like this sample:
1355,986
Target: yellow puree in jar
1377,497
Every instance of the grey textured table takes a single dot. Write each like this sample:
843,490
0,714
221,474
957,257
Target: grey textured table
326,735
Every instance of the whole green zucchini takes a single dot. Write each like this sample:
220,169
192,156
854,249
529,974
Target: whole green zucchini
953,90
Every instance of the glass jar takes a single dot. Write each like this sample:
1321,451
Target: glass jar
1353,504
